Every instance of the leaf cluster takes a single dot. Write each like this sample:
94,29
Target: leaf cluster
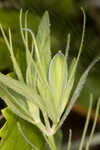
41,90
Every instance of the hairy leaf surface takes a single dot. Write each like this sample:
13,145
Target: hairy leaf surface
43,42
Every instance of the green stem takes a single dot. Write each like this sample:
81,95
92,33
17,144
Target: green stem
47,124
52,143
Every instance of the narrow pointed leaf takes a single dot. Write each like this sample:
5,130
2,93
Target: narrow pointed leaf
80,50
77,91
69,140
86,123
43,42
16,103
67,47
30,72
28,93
69,86
82,81
21,89
94,126
47,97
15,64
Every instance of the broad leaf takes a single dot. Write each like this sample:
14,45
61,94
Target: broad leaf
13,138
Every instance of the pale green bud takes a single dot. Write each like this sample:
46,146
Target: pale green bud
58,78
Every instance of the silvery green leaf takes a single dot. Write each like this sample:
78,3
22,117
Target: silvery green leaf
44,90
16,103
69,86
30,72
74,66
22,89
82,81
34,68
31,80
77,91
10,48
69,140
93,126
67,47
71,67
28,93
43,42
75,62
66,95
26,38
47,96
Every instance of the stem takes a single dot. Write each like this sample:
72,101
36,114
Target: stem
87,123
47,124
52,143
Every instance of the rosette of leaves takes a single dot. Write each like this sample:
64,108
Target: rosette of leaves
47,86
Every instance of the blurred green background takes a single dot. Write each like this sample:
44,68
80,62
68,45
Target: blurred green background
66,17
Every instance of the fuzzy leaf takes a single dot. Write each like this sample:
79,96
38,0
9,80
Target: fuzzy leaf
82,81
68,88
78,90
12,139
19,87
47,97
22,90
25,91
71,67
16,103
30,72
43,42
31,77
10,48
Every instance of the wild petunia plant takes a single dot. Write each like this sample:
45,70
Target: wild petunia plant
41,97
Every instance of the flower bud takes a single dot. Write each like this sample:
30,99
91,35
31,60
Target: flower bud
58,77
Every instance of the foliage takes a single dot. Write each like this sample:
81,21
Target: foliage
13,23
12,138
63,21
42,88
